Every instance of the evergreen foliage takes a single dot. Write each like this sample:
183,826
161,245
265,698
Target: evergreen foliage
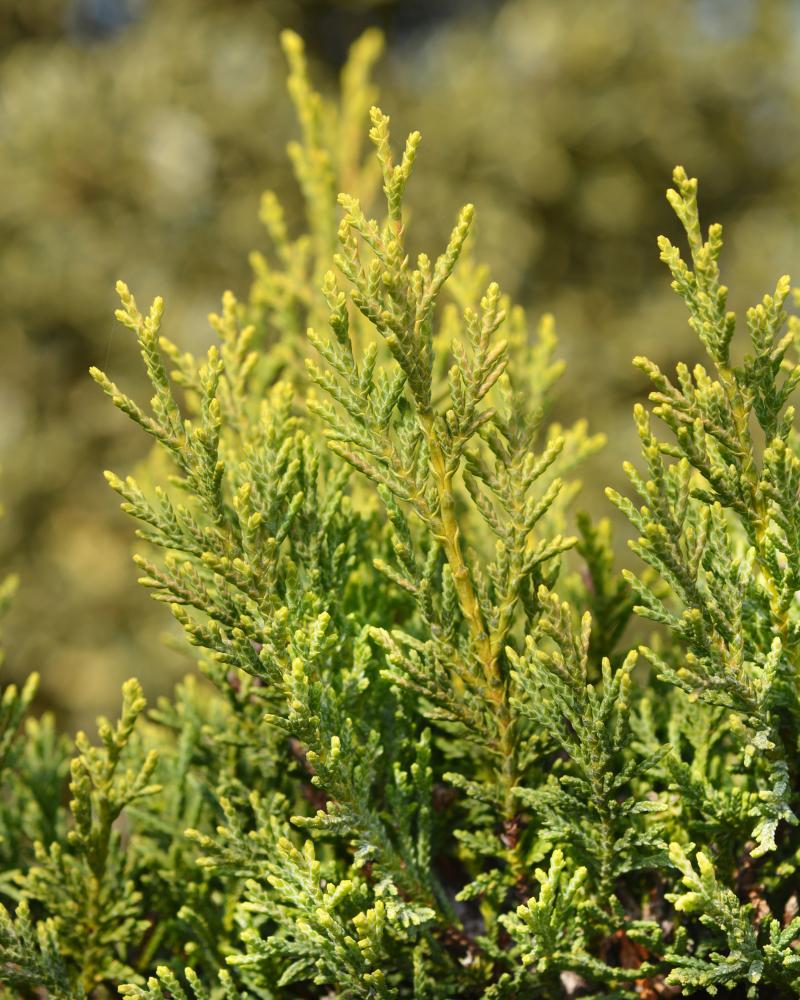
577,114
422,761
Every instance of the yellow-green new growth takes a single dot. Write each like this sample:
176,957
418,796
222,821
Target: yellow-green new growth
428,763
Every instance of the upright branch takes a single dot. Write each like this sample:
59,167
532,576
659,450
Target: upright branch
720,517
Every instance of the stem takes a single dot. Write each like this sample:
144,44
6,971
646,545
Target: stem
761,526
449,534
486,647
780,618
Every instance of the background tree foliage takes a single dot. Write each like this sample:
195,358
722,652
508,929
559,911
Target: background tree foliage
137,138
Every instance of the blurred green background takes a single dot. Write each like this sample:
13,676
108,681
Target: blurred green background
137,135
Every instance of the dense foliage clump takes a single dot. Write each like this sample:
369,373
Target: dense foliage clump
137,136
422,760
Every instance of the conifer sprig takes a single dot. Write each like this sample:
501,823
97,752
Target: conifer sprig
717,520
431,448
756,954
